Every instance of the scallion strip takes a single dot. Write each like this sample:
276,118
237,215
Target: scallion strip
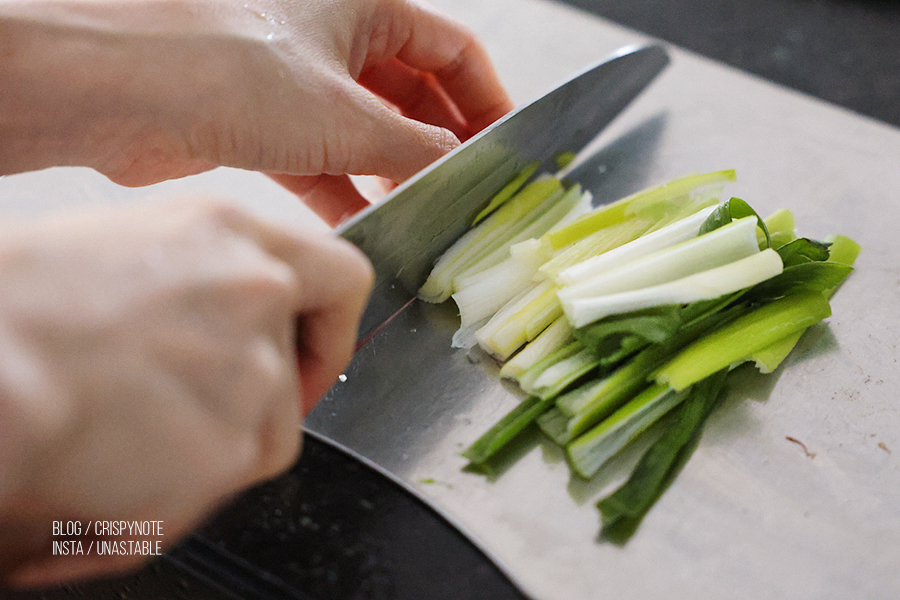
740,338
590,451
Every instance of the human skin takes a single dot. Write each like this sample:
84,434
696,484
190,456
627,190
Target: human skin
306,90
157,359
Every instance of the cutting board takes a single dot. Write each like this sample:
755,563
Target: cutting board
753,514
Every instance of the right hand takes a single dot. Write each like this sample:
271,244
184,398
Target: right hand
155,359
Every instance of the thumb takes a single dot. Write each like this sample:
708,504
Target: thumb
394,146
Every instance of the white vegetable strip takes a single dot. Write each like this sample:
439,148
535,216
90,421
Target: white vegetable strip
721,246
486,293
505,332
596,243
525,323
549,377
533,250
540,249
544,217
489,235
705,285
558,334
645,245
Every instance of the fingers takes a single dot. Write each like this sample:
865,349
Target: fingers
388,144
333,197
439,45
333,281
440,78
331,284
417,95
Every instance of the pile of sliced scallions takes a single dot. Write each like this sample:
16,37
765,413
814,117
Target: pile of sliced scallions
612,318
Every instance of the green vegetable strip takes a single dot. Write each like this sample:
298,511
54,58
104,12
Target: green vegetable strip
769,357
623,510
553,423
742,337
843,250
564,159
803,250
490,234
780,225
588,410
655,325
620,210
554,337
814,276
506,429
591,451
555,378
731,210
508,190
528,378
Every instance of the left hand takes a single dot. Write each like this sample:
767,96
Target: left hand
146,90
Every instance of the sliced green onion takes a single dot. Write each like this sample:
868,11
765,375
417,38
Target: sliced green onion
705,285
507,191
679,231
492,233
646,201
554,337
740,338
701,253
590,451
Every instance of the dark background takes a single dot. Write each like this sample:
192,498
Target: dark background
333,530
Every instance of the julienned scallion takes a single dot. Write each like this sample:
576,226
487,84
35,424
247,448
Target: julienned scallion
629,315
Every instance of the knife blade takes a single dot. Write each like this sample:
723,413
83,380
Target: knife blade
405,234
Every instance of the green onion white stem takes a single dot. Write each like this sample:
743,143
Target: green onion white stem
719,247
554,337
645,245
705,285
492,233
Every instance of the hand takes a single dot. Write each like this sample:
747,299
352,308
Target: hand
304,89
149,367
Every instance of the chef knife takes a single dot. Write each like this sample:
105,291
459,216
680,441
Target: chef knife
405,234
